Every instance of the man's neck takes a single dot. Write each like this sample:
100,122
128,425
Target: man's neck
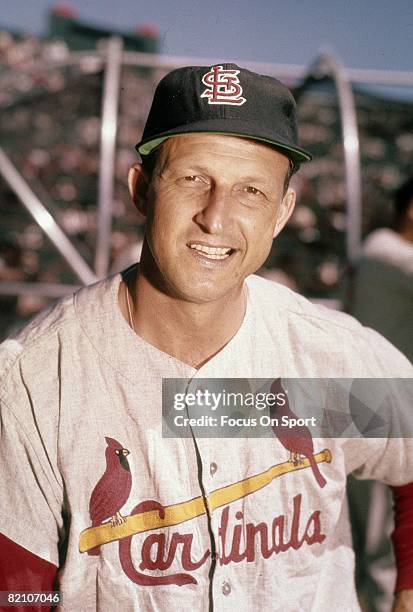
192,333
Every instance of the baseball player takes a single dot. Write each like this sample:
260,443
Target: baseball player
100,504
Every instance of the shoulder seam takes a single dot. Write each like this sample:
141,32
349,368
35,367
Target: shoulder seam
298,308
351,328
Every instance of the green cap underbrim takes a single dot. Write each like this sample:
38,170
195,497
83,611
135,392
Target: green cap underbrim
298,156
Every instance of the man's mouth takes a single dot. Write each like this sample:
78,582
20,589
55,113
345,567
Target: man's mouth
211,252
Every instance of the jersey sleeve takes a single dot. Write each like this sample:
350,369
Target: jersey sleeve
20,570
30,491
403,536
385,452
388,361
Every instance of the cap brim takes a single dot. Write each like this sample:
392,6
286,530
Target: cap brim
296,154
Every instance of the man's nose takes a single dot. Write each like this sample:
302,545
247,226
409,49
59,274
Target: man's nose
215,213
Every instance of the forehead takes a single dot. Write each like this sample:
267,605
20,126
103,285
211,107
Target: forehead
215,149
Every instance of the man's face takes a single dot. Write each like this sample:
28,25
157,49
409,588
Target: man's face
213,208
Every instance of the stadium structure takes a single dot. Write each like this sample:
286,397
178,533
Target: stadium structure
73,104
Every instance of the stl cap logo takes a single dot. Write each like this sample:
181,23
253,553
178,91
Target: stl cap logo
222,86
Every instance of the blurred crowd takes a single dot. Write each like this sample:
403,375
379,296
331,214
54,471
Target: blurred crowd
50,129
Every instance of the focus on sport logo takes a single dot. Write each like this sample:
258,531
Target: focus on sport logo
222,87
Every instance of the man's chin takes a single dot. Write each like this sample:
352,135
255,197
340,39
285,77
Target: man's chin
209,294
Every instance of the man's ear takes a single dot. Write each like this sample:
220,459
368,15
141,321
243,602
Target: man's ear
138,187
285,211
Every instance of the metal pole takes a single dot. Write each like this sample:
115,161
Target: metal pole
156,60
107,152
352,159
402,78
331,65
94,60
44,219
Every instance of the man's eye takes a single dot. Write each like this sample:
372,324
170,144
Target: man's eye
195,181
253,190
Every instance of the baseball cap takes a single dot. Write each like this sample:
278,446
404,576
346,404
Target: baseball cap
223,99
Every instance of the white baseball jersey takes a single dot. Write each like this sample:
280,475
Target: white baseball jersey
141,522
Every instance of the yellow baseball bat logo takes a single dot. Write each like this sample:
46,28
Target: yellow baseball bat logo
185,511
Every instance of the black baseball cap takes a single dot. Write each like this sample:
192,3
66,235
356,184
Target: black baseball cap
223,99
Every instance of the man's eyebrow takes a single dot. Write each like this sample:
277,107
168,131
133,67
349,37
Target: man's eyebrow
255,178
196,166
185,164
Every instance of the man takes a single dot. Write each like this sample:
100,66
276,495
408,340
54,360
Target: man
385,276
384,279
142,521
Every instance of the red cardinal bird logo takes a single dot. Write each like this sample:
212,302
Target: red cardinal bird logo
112,490
297,440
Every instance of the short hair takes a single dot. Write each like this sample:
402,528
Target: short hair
149,165
402,200
292,168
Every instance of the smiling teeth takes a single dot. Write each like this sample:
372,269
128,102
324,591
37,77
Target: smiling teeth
212,252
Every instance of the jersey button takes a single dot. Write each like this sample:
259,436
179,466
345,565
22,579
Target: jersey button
213,468
226,589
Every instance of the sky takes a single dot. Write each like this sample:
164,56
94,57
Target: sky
362,33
